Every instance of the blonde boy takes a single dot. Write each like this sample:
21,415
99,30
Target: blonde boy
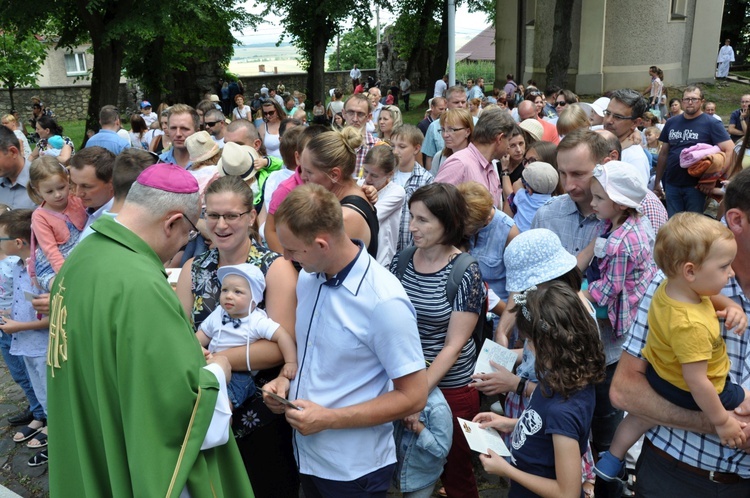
688,363
407,147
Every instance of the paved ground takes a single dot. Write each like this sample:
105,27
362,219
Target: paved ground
28,482
15,474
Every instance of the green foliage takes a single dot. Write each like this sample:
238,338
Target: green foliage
21,57
475,70
408,24
358,46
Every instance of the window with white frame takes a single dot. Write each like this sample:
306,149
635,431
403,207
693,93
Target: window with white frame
678,11
75,64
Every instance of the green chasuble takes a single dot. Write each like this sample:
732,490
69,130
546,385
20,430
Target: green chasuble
129,400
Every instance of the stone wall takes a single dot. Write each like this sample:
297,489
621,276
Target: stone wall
69,103
298,81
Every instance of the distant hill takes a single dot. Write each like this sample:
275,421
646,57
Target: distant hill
264,45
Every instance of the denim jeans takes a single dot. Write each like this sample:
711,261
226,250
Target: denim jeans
684,199
17,369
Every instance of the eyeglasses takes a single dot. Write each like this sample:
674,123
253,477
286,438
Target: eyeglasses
450,130
269,113
690,100
228,217
192,234
619,117
529,160
211,124
353,114
6,238
561,103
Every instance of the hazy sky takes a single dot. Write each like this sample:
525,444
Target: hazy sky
467,26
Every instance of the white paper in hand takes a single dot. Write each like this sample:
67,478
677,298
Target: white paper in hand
480,439
498,354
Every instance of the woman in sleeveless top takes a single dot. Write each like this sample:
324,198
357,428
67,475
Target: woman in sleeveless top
329,160
264,438
269,131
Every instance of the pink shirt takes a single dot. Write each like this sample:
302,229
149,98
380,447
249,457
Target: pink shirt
283,190
49,229
470,165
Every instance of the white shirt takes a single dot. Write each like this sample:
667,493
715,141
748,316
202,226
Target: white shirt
355,74
96,214
352,340
636,156
149,118
388,206
253,327
440,88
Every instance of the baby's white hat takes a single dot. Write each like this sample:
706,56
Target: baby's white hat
249,272
622,183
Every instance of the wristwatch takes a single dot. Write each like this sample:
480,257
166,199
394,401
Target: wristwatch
521,386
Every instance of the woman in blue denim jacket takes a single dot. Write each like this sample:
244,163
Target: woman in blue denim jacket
422,450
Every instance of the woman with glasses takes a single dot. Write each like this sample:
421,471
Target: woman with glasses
564,97
329,160
456,127
241,111
269,131
388,120
264,439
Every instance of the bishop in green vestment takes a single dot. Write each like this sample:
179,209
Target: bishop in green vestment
130,397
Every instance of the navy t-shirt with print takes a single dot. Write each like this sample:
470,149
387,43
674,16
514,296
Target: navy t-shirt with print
531,446
681,133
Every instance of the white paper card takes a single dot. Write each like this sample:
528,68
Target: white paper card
480,439
498,354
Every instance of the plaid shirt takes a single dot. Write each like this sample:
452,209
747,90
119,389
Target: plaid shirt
368,144
626,270
700,450
419,177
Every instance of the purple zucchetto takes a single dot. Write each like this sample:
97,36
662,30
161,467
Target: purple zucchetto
169,178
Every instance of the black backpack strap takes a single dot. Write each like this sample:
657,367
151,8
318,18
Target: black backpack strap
403,260
460,264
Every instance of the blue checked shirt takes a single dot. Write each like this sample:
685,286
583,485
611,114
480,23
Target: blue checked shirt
419,177
700,450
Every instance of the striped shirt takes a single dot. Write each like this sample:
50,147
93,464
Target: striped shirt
427,293
700,450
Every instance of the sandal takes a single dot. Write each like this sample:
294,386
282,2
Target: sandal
26,433
39,441
39,459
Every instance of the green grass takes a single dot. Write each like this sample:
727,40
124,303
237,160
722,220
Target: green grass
76,130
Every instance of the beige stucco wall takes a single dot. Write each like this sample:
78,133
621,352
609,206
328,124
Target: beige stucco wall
616,42
53,71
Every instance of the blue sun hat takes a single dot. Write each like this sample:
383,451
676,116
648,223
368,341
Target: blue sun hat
534,257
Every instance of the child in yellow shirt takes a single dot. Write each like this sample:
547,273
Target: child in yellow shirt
688,363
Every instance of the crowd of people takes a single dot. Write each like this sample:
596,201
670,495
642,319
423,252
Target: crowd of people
254,296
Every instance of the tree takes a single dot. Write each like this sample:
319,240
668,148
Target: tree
559,56
358,46
311,26
21,57
110,25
